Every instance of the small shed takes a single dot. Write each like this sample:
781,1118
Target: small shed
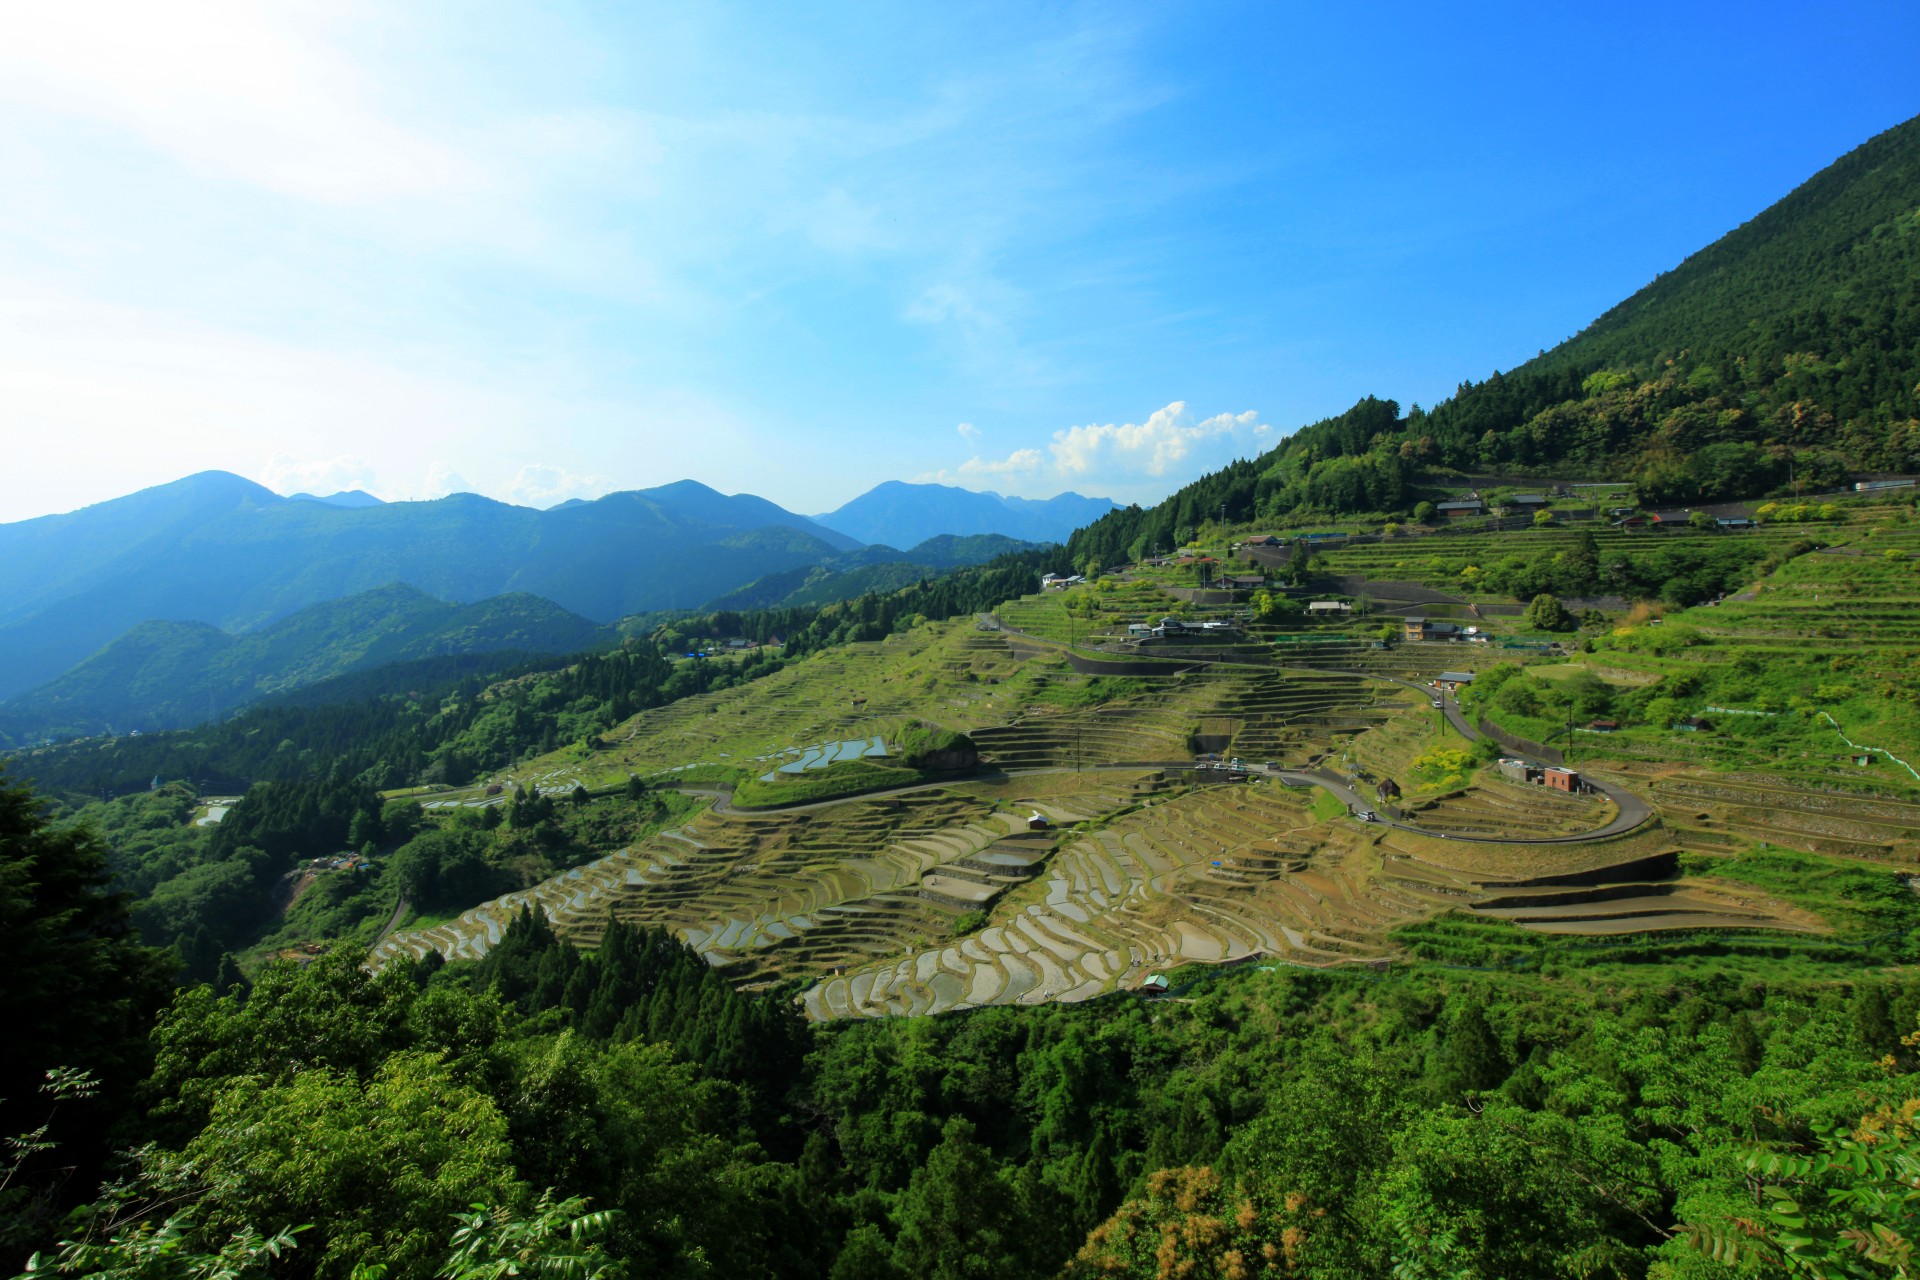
1528,501
1461,509
1453,681
1037,821
1604,726
1323,607
1561,780
1154,984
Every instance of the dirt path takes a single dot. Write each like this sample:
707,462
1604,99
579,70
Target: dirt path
393,922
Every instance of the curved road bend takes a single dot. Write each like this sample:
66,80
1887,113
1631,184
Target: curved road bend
1632,810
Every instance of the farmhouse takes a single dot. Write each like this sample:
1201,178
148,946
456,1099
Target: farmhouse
1518,770
1453,681
1327,607
1060,581
1420,628
1461,508
1561,780
1243,581
1263,540
1527,501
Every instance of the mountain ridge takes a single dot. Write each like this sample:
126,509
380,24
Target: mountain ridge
901,513
166,674
217,548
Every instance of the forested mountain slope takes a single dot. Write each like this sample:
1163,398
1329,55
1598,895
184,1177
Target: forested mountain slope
168,675
215,548
1787,351
875,568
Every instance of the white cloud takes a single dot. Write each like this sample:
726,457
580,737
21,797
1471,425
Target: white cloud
1018,463
287,474
1127,458
969,432
442,480
1153,447
539,485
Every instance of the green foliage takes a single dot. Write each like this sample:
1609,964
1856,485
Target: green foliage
1546,613
561,1240
79,996
1094,691
166,675
927,746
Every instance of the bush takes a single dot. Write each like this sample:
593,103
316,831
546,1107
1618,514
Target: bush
1546,613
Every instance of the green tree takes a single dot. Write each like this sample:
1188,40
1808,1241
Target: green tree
957,1218
1546,613
1423,512
81,992
380,1168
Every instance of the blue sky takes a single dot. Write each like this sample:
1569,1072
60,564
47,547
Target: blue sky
542,252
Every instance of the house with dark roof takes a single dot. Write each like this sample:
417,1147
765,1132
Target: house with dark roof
1421,628
1461,508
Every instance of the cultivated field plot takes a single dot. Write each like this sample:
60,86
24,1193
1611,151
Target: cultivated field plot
1088,853
1757,806
772,895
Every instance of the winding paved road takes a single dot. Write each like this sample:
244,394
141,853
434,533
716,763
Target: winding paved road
1632,811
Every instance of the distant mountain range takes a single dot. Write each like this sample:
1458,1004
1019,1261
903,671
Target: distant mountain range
143,589
221,550
167,675
903,515
876,568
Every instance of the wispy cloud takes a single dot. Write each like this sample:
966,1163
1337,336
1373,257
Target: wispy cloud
543,486
1131,459
253,92
320,476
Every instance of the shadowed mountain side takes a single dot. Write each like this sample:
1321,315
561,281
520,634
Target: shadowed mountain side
876,568
217,549
163,675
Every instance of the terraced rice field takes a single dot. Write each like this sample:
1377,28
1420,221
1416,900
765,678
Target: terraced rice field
1137,868
768,895
1755,806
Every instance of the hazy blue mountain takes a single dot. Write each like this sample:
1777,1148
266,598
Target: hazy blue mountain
344,498
218,549
166,675
903,515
